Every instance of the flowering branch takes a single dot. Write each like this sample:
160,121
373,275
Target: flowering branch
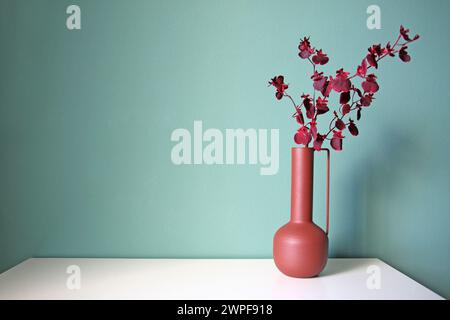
341,83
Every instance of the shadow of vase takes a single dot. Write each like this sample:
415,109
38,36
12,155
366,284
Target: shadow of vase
371,187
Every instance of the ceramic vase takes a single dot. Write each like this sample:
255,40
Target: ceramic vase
300,247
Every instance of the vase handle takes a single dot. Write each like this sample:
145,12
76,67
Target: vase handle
328,188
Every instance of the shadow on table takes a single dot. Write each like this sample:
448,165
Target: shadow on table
340,266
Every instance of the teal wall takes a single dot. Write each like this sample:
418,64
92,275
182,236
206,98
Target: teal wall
86,118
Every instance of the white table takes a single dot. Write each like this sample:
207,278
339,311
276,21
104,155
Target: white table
47,278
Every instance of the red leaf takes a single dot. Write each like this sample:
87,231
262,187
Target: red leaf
362,69
299,117
319,84
340,124
353,128
336,141
279,95
341,83
366,100
303,136
319,80
345,109
318,141
327,88
376,50
371,59
404,33
310,112
403,54
305,48
345,97
321,105
370,85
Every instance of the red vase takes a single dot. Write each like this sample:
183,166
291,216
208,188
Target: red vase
300,247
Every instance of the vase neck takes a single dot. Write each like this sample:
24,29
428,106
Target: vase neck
302,184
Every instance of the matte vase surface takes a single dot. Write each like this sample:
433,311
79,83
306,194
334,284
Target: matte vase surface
300,247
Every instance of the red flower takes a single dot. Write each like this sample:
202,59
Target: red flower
336,141
320,58
370,85
278,83
321,105
362,69
404,33
341,83
403,54
353,128
305,48
318,141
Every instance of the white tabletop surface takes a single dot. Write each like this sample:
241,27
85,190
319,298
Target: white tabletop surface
56,278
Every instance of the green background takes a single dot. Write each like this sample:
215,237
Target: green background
86,118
